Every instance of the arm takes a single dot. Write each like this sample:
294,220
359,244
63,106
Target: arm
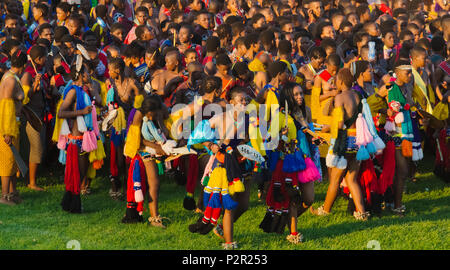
66,112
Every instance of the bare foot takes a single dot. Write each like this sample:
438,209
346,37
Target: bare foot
35,188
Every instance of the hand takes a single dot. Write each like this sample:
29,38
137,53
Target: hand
334,92
284,131
37,82
86,110
159,150
8,139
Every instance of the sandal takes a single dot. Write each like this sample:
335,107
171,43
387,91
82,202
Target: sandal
14,196
157,221
218,230
319,211
5,199
295,239
229,246
361,216
400,211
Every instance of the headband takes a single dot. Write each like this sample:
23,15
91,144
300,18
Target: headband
404,67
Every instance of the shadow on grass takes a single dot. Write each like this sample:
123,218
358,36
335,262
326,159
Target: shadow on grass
388,218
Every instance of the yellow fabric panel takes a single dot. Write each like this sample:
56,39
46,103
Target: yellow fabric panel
314,103
26,8
172,119
431,95
8,165
271,99
58,123
441,111
419,93
256,65
308,101
138,101
133,141
292,130
91,173
97,154
376,104
120,123
8,123
26,89
338,116
103,90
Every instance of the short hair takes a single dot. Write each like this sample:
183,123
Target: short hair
11,17
361,9
142,9
416,50
346,77
224,30
257,17
317,52
37,51
251,39
358,37
60,32
328,43
235,91
140,30
190,51
118,63
9,44
212,44
133,50
117,26
43,8
211,84
168,3
223,59
334,59
405,33
19,59
276,68
64,6
101,11
399,11
44,26
285,47
240,41
424,43
267,37
237,28
437,43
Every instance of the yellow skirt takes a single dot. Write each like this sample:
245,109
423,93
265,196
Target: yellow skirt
8,166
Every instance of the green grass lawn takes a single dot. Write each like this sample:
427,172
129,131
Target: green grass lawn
39,223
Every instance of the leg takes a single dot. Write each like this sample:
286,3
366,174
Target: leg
333,188
353,185
5,190
242,199
307,190
228,226
121,167
153,186
293,209
36,151
401,172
